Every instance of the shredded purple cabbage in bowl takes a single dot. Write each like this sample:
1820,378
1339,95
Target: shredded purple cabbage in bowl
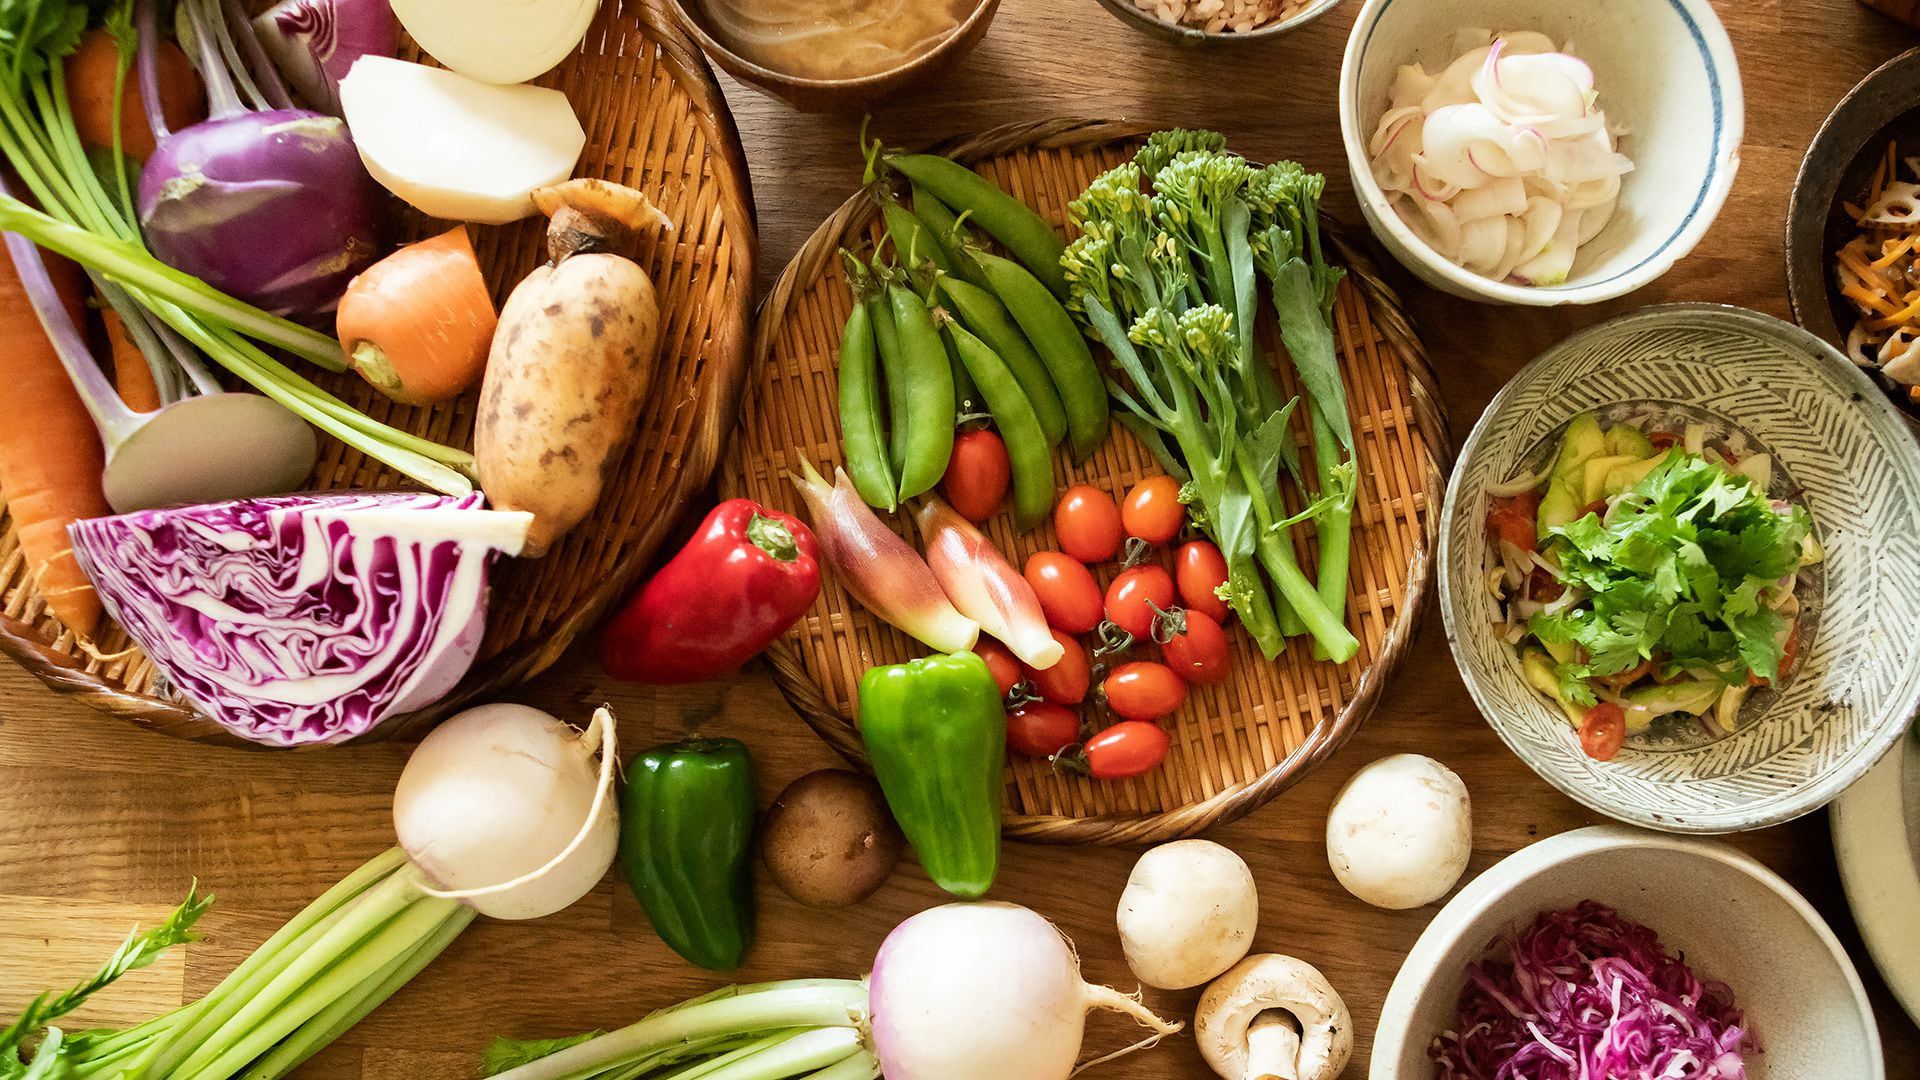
1583,994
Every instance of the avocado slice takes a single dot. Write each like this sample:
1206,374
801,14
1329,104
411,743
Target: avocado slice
1582,440
1560,506
1626,440
1593,486
1537,668
1649,703
1623,477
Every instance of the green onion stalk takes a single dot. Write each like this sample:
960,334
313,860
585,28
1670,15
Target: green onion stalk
324,971
1146,277
770,1031
171,317
1286,247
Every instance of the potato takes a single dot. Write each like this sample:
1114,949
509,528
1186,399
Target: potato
1189,912
828,839
1400,832
568,372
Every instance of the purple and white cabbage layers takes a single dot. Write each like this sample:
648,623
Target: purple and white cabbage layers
306,618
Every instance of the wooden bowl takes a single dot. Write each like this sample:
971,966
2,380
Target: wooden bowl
1235,744
836,95
639,86
1137,17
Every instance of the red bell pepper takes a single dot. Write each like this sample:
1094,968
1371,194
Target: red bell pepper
747,575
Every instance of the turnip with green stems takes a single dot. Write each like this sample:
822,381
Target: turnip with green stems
984,991
546,798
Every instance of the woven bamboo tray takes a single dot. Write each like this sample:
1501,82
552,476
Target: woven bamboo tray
1235,745
656,120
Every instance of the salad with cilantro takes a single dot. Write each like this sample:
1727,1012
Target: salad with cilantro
1647,575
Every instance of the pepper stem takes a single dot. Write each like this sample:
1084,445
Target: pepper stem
772,536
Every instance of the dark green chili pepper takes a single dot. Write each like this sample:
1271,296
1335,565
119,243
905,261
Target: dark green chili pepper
947,231
1005,218
929,406
894,367
1054,336
862,432
686,846
987,317
1027,449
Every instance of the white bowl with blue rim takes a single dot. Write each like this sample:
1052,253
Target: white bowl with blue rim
1840,449
1664,70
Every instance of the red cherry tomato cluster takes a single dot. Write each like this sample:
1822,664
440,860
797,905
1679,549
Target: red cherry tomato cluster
1144,603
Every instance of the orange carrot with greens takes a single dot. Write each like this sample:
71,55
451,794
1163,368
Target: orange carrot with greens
50,454
417,324
131,374
94,77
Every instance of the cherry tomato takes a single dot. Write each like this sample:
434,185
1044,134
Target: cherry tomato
1197,651
1126,749
1143,690
1603,731
1068,594
1198,570
1663,440
977,474
1000,661
1543,586
1152,511
1088,523
1789,651
1041,729
1067,681
1515,519
1133,596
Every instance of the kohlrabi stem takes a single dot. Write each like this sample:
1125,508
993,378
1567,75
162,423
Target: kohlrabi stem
333,1021
813,1003
148,63
223,97
264,72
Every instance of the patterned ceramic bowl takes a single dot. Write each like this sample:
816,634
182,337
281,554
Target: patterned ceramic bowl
1840,448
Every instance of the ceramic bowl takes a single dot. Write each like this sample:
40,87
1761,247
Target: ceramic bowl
1664,69
1706,900
1838,166
836,95
1137,17
1839,447
1876,841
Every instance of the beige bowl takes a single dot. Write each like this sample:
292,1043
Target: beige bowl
1734,921
836,95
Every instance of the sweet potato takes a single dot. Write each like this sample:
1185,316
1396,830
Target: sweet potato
570,365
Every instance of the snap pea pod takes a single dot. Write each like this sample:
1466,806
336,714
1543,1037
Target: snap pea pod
947,231
1053,335
913,242
1027,450
894,367
1012,222
929,388
966,395
984,315
861,431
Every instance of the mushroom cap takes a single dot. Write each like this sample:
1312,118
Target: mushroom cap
1266,982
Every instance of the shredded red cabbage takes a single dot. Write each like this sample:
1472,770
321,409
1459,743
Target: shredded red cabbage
1583,994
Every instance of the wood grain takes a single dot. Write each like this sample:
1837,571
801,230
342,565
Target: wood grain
104,824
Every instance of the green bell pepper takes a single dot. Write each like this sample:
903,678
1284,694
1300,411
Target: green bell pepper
686,846
936,733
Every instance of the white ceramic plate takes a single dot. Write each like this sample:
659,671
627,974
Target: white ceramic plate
1876,836
1708,902
1833,434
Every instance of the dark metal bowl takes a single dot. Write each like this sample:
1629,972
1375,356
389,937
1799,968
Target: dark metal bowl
836,95
1136,17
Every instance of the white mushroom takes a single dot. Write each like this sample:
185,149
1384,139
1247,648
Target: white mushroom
1400,832
1188,913
1273,1017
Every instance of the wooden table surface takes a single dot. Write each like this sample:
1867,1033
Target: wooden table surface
102,825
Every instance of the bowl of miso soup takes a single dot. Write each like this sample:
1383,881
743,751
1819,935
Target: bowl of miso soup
835,55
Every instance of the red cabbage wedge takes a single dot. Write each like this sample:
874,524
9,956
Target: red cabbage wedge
306,618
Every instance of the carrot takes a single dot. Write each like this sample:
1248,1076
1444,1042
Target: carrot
131,374
417,324
90,73
50,455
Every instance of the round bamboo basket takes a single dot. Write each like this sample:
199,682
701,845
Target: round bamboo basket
655,120
1234,745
